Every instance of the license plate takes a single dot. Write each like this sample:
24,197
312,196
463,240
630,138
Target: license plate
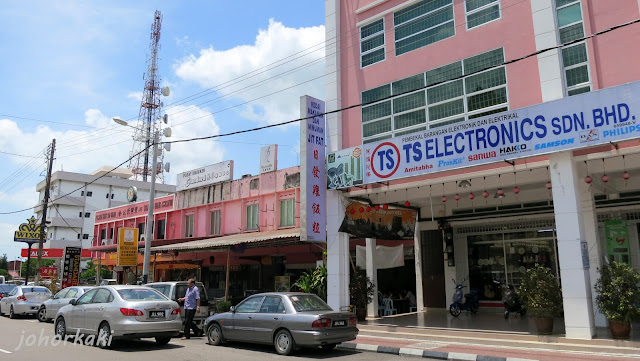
156,314
339,323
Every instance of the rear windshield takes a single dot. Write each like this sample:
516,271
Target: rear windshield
304,303
141,294
6,288
35,289
181,290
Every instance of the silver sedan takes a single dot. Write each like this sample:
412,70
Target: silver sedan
24,300
116,312
50,307
287,320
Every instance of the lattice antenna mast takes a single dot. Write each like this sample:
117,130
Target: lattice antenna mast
149,117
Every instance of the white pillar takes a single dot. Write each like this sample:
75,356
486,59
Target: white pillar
417,254
568,200
337,253
372,273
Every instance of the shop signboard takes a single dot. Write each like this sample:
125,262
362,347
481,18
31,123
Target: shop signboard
127,247
268,158
48,272
585,120
617,236
51,253
283,283
29,232
313,187
71,266
364,221
204,176
344,168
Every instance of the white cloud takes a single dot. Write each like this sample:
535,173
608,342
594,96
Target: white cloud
212,68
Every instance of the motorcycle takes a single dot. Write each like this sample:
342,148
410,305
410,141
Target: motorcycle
470,300
512,302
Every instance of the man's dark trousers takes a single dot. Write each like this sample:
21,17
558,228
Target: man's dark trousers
189,325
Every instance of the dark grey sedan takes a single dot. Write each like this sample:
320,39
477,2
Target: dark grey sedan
287,320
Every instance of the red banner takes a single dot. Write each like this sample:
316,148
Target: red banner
48,272
52,253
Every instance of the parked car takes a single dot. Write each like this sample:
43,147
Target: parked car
124,312
5,289
108,281
177,289
24,300
50,307
285,319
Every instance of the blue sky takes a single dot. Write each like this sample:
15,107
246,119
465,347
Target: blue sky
69,67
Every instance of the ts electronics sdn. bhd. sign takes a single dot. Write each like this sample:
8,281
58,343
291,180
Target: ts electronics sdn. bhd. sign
599,117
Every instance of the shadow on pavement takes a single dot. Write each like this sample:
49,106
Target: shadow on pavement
139,345
311,353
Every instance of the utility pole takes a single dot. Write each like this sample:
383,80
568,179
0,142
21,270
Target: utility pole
45,202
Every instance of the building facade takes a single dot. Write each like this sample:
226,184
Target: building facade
75,198
424,69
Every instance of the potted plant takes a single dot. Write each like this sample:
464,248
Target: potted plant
542,297
618,297
360,292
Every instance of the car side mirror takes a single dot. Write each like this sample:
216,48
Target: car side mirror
73,301
232,309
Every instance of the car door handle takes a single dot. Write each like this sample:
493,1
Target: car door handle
276,318
250,317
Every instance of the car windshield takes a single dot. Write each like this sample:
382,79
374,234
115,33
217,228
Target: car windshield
35,289
6,288
304,303
141,294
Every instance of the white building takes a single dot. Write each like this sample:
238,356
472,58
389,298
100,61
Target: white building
72,216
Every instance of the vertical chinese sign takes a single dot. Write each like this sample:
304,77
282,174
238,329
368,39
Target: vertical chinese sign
127,246
71,266
313,176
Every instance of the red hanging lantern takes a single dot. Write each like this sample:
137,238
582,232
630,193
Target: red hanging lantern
407,204
626,175
588,179
485,194
605,178
500,192
377,207
352,211
361,209
457,197
548,185
516,190
385,206
444,199
472,196
368,208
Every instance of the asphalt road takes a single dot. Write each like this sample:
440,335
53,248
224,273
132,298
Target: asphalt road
16,334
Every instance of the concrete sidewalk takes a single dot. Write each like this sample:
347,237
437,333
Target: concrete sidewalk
401,336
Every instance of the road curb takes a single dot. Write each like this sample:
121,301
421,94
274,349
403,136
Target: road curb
427,354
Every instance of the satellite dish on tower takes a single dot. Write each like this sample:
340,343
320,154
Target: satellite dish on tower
165,91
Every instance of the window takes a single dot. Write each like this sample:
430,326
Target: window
481,12
89,193
141,228
305,303
103,234
574,57
87,215
86,298
287,212
215,222
141,294
61,294
80,214
188,225
111,196
102,296
252,217
78,235
81,193
372,48
250,305
272,304
164,289
72,293
85,236
422,24
446,99
161,228
107,196
111,233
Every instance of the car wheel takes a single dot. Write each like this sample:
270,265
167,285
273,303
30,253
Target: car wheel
104,332
214,335
329,346
454,310
284,343
163,340
11,313
60,328
42,314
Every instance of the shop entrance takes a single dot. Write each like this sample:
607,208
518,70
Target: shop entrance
433,291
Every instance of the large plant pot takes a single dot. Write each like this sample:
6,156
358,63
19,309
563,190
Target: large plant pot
544,325
361,313
620,330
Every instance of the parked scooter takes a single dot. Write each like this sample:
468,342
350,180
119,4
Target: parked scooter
512,302
470,300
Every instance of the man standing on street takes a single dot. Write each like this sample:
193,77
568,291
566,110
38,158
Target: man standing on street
191,301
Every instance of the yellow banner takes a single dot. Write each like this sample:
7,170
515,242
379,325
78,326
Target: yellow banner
127,247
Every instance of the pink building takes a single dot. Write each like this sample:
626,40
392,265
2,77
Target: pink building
428,71
253,223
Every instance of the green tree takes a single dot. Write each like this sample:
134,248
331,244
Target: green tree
4,264
4,272
90,273
32,267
